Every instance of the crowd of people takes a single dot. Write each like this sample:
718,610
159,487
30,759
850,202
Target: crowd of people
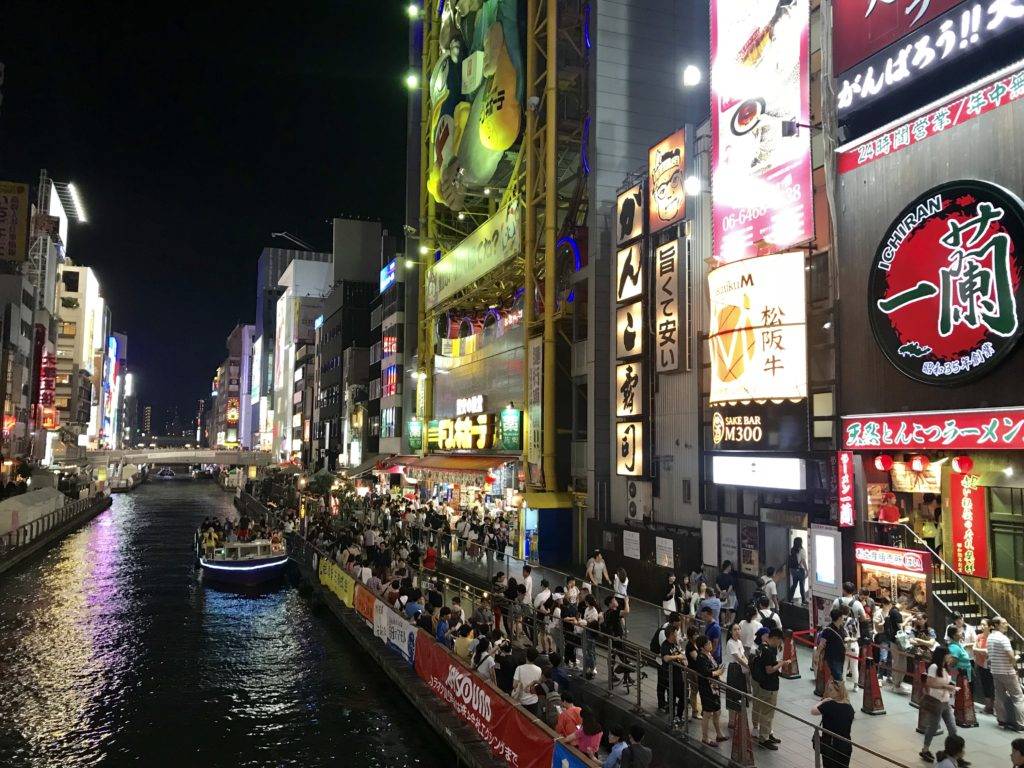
215,532
527,635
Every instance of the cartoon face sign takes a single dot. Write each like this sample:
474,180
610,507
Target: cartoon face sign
666,169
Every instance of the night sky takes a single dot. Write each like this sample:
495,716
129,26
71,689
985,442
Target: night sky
194,134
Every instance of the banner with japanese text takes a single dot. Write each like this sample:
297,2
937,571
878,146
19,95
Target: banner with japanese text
512,736
991,429
970,525
393,630
337,581
844,489
364,603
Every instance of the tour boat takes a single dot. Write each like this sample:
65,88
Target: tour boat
165,474
243,563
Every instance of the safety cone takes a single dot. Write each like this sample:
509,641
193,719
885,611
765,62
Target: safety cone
742,742
917,684
872,704
790,671
963,704
822,678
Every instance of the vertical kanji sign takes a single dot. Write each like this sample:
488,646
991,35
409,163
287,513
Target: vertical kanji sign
669,328
970,525
844,489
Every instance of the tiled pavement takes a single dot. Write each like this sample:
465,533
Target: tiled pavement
892,735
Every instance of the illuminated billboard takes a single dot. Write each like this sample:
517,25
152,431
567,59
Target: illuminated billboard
758,334
666,169
14,217
387,278
762,199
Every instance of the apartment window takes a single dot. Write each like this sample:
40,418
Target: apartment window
1006,528
391,383
67,329
375,426
391,340
391,422
70,282
61,402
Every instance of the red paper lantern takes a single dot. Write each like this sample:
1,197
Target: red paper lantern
919,463
883,462
963,464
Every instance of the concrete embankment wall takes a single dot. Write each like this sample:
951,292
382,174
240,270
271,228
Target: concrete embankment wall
44,541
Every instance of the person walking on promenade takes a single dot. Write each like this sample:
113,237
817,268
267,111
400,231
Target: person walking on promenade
937,702
1009,699
797,565
597,571
981,664
764,673
836,721
621,589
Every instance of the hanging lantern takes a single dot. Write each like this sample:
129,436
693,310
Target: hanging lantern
919,463
963,464
883,462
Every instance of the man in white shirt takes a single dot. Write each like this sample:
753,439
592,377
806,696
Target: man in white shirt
542,596
526,676
770,588
1002,662
528,582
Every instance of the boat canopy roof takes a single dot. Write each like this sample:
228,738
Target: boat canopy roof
248,550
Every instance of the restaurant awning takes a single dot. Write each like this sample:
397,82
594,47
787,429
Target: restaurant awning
551,500
451,463
368,465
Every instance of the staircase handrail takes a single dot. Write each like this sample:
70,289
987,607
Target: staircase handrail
956,576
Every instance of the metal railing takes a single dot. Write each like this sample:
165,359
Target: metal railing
25,534
619,666
947,570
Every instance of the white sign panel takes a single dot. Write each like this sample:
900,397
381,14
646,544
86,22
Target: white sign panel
631,544
394,631
629,389
664,552
709,541
760,472
629,330
629,269
669,326
729,542
629,209
492,244
758,334
535,446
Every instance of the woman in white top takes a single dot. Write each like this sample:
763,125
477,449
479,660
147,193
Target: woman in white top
671,595
700,593
734,657
938,699
748,630
620,586
483,660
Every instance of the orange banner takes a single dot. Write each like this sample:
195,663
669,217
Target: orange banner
364,603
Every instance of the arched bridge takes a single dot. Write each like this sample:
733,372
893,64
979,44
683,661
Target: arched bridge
179,456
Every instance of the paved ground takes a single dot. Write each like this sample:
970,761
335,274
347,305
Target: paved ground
892,734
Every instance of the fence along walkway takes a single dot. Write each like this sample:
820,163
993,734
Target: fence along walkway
879,741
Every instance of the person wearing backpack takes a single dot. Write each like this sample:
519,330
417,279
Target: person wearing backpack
767,615
854,617
657,640
764,673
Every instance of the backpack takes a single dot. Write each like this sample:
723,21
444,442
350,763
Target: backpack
655,644
773,617
794,561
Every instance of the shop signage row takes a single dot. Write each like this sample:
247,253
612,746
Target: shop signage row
670,333
762,198
630,365
844,489
778,425
496,241
987,429
630,214
937,45
945,296
666,169
974,103
481,432
970,525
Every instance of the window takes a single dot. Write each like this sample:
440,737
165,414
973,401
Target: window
391,381
70,282
67,329
1006,528
391,422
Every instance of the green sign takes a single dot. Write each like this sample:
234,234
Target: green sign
415,435
510,431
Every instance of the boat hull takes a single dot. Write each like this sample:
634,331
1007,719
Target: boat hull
244,573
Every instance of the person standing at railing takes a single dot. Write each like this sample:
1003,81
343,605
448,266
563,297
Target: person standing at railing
597,571
673,659
1002,662
736,666
671,595
708,671
836,721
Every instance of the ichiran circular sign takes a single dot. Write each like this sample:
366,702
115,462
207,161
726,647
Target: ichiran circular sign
945,293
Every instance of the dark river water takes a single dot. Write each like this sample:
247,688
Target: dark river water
113,653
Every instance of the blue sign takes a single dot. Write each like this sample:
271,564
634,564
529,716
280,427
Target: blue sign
564,758
387,275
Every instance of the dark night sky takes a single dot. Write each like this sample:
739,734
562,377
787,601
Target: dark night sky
192,135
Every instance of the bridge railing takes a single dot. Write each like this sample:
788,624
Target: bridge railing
29,532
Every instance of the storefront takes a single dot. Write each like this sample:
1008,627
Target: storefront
897,574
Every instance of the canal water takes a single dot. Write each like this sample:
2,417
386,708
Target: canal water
113,653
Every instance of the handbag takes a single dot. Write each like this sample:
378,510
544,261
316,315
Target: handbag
930,705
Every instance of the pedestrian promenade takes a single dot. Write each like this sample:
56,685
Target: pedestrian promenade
892,734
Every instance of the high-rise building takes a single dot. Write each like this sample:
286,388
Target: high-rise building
147,421
172,422
231,395
81,343
271,267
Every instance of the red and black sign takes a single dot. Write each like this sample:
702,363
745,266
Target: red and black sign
945,293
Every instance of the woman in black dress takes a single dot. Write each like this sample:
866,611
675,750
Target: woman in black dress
836,721
708,672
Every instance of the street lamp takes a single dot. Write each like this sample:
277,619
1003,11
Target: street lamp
692,186
412,81
691,76
413,10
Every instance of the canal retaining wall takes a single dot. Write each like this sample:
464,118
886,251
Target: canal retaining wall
28,541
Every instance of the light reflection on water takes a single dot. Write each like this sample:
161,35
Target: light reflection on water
113,653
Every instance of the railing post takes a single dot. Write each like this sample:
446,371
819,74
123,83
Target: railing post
611,666
639,680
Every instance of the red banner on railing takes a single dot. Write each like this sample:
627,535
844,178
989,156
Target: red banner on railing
509,732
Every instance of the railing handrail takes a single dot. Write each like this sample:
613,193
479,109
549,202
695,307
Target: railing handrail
639,650
956,576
